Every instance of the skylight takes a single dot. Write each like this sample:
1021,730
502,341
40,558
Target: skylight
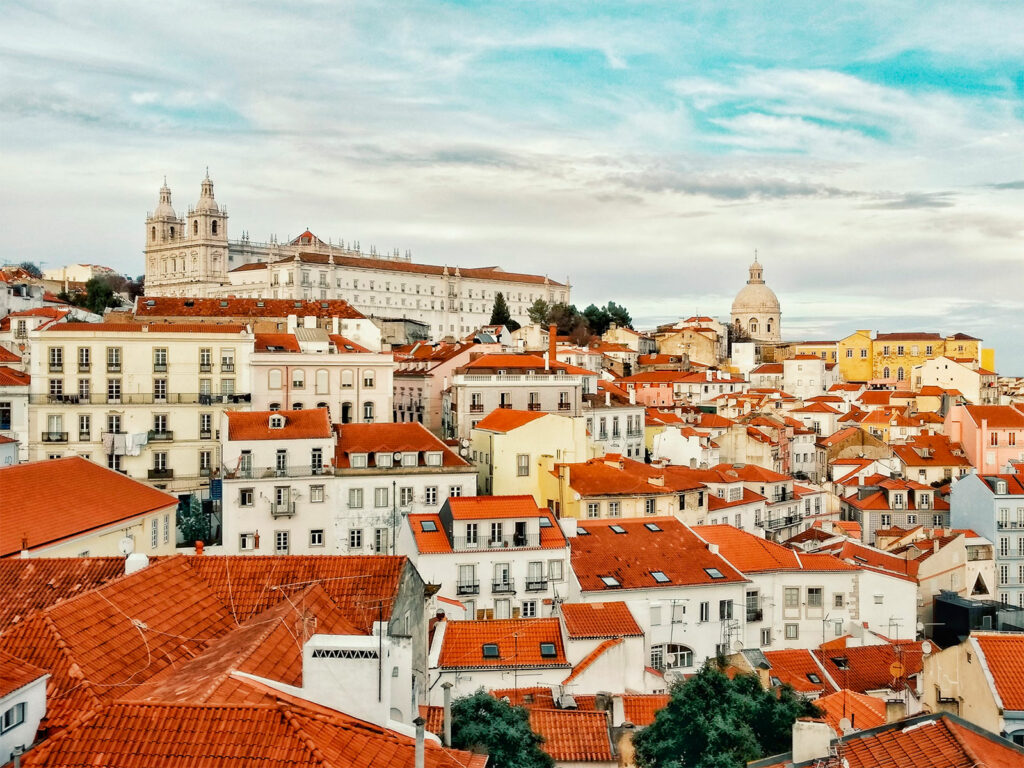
610,581
545,522
428,526
813,678
841,662
652,526
617,529
582,532
714,573
490,650
547,650
659,577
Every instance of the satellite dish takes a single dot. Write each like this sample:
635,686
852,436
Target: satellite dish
464,451
126,546
737,646
926,647
845,726
464,443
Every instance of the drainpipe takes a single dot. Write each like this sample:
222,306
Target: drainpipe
447,713
419,723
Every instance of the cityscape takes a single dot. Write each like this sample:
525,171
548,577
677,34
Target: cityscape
678,424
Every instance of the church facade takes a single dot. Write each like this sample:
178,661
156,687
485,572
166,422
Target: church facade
191,255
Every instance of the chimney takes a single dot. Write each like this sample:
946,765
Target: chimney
712,548
935,546
812,740
136,561
447,713
552,343
895,709
420,747
199,547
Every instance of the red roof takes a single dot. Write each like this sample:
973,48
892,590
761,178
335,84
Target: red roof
16,673
592,620
753,554
343,344
573,735
518,644
1004,656
997,416
640,709
613,475
276,342
169,306
506,419
12,378
311,424
796,668
868,665
35,583
135,328
862,711
487,507
631,558
50,501
6,356
405,437
536,696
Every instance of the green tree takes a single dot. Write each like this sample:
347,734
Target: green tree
538,312
482,723
597,318
500,314
193,523
714,722
619,315
99,294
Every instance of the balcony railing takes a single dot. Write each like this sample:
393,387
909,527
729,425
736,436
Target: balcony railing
205,367
163,434
565,406
55,437
476,408
533,406
159,367
754,614
285,509
538,584
84,368
260,473
139,398
227,367
506,542
504,405
161,474
113,367
56,367
467,588
205,434
781,522
504,586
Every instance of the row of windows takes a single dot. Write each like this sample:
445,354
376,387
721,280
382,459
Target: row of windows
114,387
114,357
381,496
321,378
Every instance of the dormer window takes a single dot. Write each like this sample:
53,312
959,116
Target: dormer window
410,459
434,458
1001,487
276,422
357,460
383,459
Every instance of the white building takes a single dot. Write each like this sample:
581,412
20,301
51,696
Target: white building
14,391
756,309
806,376
978,385
22,704
500,556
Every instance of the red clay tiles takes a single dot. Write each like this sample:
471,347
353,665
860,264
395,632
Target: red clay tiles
611,619
510,643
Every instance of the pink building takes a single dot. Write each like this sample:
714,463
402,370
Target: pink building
991,435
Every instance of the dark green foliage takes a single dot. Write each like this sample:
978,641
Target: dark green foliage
192,522
500,314
482,723
714,722
538,312
100,293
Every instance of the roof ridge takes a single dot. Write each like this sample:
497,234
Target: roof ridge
292,720
592,657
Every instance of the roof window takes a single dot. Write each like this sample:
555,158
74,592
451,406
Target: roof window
582,532
150,303
714,573
298,304
617,529
223,303
547,650
841,662
276,422
610,581
813,678
659,577
261,304
652,527
491,651
545,522
428,526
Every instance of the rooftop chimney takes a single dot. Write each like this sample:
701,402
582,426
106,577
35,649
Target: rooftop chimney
552,343
199,547
420,747
447,713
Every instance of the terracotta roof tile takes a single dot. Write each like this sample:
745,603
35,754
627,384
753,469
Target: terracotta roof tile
997,416
506,419
6,356
591,620
1004,656
58,499
276,342
134,328
519,644
429,542
310,424
169,306
12,378
30,584
406,437
485,507
796,668
862,711
630,559
16,673
536,696
573,735
640,709
867,666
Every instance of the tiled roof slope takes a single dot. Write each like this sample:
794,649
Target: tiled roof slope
593,620
792,667
16,673
1004,655
359,584
47,501
505,419
168,306
640,709
298,425
485,507
9,377
518,642
868,665
388,438
862,711
29,584
573,735
100,644
286,733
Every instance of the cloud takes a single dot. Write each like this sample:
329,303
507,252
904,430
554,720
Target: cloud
1007,185
913,201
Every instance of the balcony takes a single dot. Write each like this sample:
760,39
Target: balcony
503,587
159,367
159,435
227,367
754,614
504,405
84,368
284,509
262,473
538,584
205,367
565,406
139,398
56,368
476,408
113,367
205,434
781,522
467,588
161,474
55,437
533,407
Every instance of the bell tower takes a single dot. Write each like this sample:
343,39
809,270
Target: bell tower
164,240
207,233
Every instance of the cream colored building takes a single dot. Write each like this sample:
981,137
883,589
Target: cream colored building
976,384
78,273
756,308
142,399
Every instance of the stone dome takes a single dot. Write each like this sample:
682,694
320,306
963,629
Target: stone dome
164,209
755,297
206,202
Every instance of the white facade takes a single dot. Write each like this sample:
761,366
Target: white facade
615,427
807,376
14,413
21,711
683,446
976,387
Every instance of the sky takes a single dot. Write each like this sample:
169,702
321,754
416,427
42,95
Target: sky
871,152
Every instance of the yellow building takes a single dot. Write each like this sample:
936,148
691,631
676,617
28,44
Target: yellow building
699,344
854,356
894,355
512,450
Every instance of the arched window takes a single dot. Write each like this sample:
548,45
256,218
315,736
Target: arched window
274,378
195,227
752,325
322,387
899,374
368,412
885,372
346,379
172,233
275,407
213,227
152,234
346,413
768,326
671,656
322,405
368,379
296,406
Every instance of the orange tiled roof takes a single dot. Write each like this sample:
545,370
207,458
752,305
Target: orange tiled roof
573,735
30,584
611,619
506,419
640,709
753,554
613,475
276,342
630,558
591,657
388,438
536,696
12,378
484,507
16,673
429,542
997,416
298,425
50,501
868,665
518,644
862,711
795,668
1004,656
169,306
6,356
134,328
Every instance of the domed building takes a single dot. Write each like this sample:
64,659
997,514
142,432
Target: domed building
756,308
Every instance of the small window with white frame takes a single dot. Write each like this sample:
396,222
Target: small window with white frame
316,494
316,537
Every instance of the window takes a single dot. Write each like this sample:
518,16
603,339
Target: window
613,509
593,509
837,600
886,521
554,570
368,412
879,599
154,532
368,379
792,631
355,539
490,651
472,533
714,573
316,494
430,495
791,597
84,426
428,526
83,359
529,609
167,528
671,656
6,411
13,717
610,581
298,379
405,496
725,609
649,506
522,465
160,359
705,611
455,491
547,650
766,637
659,577
114,359
227,359
380,540
380,497
281,542
205,360
56,359
355,498
815,597
316,537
